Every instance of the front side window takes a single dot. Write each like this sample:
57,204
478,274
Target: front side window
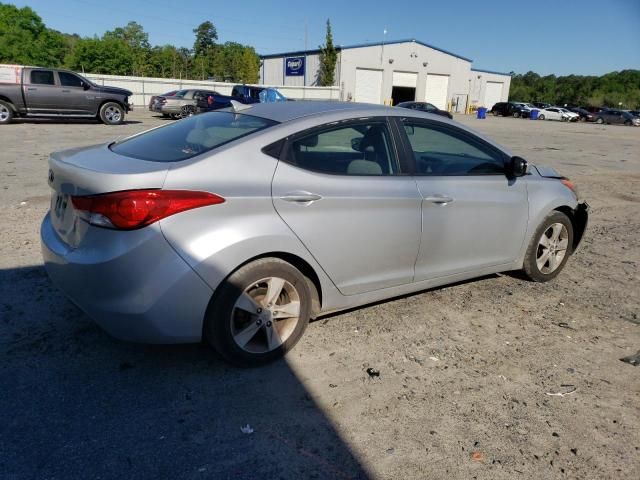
362,148
190,137
69,80
42,77
441,151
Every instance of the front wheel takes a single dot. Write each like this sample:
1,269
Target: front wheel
112,113
550,248
540,117
628,123
259,312
600,120
6,113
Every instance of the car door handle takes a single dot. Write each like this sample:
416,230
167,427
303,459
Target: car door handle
301,197
439,199
66,91
32,89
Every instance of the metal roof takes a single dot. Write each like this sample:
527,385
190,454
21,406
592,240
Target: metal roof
361,45
490,71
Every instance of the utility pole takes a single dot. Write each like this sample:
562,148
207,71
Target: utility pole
384,36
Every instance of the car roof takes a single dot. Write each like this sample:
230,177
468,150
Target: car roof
287,111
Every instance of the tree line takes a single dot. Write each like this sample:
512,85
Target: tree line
26,40
612,89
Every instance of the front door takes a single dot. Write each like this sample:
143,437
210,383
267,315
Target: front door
340,190
75,98
473,216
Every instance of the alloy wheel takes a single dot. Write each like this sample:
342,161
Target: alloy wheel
552,248
265,315
4,113
113,114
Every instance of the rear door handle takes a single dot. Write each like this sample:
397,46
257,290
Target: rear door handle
439,199
301,197
66,91
32,89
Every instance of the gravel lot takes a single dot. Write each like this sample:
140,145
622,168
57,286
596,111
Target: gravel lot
465,371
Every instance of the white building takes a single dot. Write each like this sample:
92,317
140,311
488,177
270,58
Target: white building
394,72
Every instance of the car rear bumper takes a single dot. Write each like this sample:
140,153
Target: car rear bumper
133,284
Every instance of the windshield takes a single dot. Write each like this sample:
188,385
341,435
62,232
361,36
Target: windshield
190,137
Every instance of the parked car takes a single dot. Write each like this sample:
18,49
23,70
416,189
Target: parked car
617,117
635,113
541,105
245,94
585,115
152,100
425,107
557,113
54,93
510,109
240,225
182,104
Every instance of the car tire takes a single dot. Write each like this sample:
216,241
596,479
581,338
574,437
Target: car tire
111,113
6,113
516,115
187,111
496,113
549,248
541,117
627,123
599,120
241,319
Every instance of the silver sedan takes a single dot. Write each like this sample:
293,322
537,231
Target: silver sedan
238,226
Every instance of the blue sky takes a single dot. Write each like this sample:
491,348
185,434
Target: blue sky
561,37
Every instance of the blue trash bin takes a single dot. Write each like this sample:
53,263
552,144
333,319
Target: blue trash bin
482,113
534,114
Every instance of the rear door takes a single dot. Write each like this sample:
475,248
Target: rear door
473,216
341,191
42,92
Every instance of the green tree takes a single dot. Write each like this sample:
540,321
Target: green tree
109,56
206,36
328,59
24,39
137,41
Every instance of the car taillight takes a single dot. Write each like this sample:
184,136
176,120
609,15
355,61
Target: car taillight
133,209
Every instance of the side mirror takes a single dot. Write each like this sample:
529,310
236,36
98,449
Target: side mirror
86,86
356,144
518,166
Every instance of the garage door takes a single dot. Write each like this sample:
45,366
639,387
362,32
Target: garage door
437,88
368,86
405,79
492,94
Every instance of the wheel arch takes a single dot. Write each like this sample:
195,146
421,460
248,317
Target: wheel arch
579,218
8,101
110,100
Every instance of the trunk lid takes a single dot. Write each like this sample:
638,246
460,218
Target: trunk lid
89,171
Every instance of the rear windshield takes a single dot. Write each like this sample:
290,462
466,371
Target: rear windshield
190,137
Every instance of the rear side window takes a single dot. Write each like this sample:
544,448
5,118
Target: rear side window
354,149
190,137
42,77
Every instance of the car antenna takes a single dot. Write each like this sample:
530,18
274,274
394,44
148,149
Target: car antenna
238,107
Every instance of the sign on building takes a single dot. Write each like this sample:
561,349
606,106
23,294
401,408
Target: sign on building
294,66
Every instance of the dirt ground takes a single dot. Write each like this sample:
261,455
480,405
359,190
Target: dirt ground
468,373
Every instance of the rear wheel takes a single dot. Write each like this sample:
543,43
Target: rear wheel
187,111
6,113
496,113
112,113
599,120
541,117
627,123
259,313
550,248
516,114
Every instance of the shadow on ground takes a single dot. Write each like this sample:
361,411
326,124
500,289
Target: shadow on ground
77,404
